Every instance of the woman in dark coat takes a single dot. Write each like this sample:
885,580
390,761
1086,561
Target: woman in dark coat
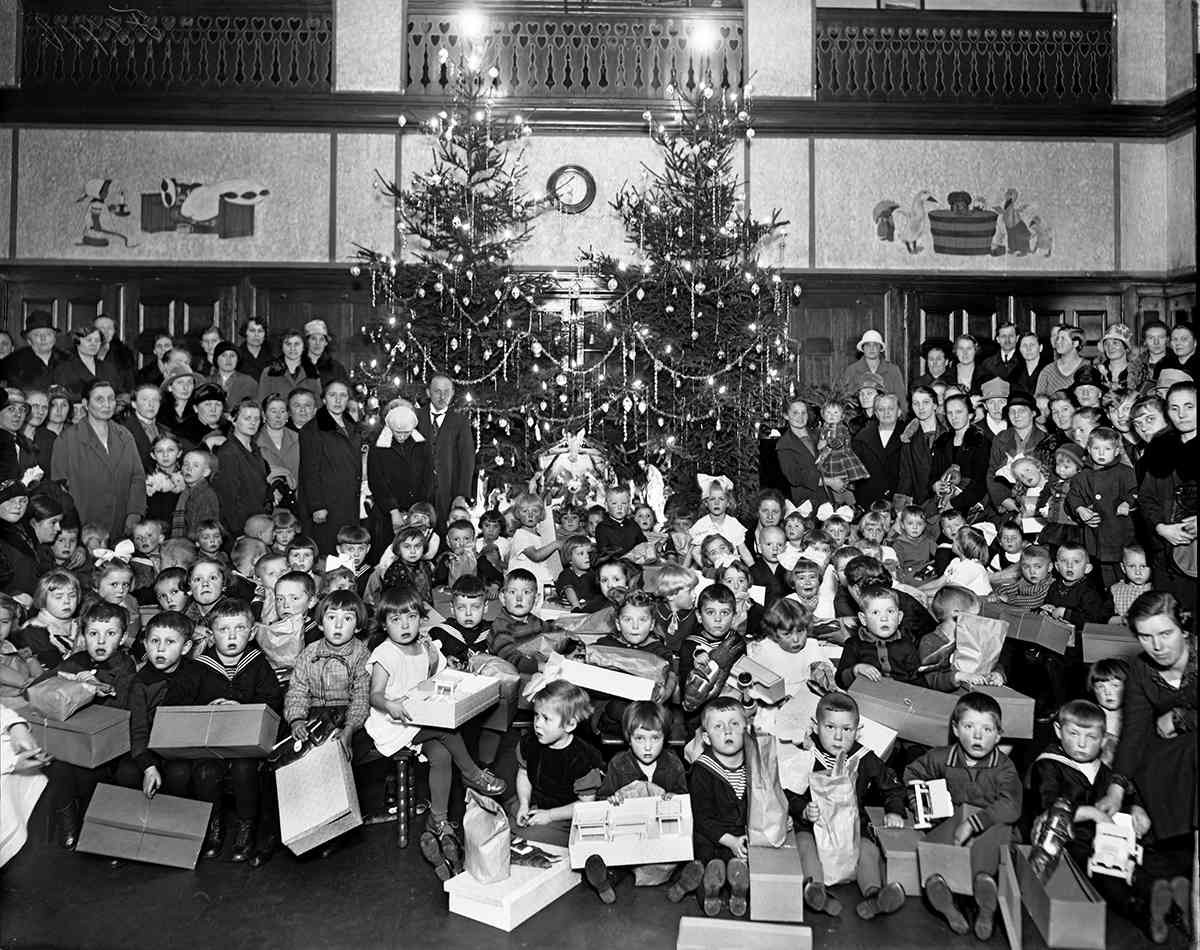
916,445
84,365
1028,365
318,360
289,371
965,446
254,354
797,456
399,474
330,468
241,478
19,546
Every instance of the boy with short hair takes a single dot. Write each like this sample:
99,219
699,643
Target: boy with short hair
1029,589
718,787
913,545
936,649
198,501
290,626
353,544
982,777
766,571
675,611
617,534
836,751
708,654
1135,581
260,526
516,621
878,648
233,671
1102,498
1076,598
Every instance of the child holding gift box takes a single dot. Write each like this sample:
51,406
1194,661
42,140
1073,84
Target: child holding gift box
843,774
787,649
981,776
110,668
948,606
634,630
403,660
647,767
233,671
707,656
718,785
287,628
555,769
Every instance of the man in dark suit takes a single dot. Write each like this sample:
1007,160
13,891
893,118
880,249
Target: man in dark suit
452,445
1002,363
878,446
32,366
141,421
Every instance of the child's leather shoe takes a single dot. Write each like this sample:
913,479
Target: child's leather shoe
737,873
887,900
690,877
214,838
817,898
986,897
713,881
1162,899
431,851
1181,894
68,825
942,900
595,871
485,783
243,840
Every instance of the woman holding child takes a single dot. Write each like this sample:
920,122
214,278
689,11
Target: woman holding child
967,448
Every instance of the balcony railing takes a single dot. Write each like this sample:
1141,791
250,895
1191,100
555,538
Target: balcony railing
94,46
539,51
968,57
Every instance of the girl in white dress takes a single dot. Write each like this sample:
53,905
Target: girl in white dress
404,659
719,503
21,781
534,545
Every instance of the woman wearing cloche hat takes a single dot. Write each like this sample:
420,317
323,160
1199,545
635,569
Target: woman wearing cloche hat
872,361
318,361
1121,365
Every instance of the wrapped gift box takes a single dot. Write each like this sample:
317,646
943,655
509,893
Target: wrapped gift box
124,823
234,731
317,797
1032,626
793,723
1067,910
507,904
777,883
917,714
638,831
1016,710
91,737
1009,892
1104,640
767,685
899,847
711,933
938,854
600,680
451,698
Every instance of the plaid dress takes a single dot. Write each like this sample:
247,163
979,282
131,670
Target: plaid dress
836,458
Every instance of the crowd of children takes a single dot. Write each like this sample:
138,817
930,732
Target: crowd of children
185,615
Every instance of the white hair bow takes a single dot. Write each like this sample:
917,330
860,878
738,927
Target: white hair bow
123,551
987,529
827,511
806,508
706,483
32,475
333,562
722,561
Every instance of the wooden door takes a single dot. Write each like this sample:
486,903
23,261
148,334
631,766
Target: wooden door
828,326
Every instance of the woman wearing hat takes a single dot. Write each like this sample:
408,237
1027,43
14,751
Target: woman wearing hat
254,354
318,360
206,425
175,414
228,375
85,365
1022,437
1120,366
399,473
331,467
32,366
27,529
872,361
17,453
289,371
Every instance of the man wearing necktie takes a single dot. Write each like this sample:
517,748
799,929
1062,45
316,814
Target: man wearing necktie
452,445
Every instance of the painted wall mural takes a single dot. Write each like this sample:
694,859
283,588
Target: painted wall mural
965,226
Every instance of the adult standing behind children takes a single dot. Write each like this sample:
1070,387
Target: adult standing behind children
871,347
451,445
331,468
878,446
399,473
100,464
1020,438
797,454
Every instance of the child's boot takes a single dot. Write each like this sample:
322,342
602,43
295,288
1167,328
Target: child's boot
690,877
214,838
1162,899
818,899
439,847
595,871
942,900
67,819
986,897
737,873
713,881
1181,894
243,839
887,900
485,783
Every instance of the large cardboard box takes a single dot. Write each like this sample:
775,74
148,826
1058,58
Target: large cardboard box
793,723
226,731
1104,640
1016,710
507,904
1032,626
917,714
1009,892
597,679
938,854
317,797
91,737
777,882
1067,910
124,823
711,933
899,848
451,698
638,831
767,686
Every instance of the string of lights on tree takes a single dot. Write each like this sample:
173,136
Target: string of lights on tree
685,349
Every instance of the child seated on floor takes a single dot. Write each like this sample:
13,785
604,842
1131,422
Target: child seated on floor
114,580
949,606
634,630
718,786
404,659
353,546
646,768
409,568
555,768
206,584
291,629
1028,590
577,583
675,609
107,665
747,613
786,649
806,584
50,634
827,813
516,622
242,583
302,555
878,648
1106,682
708,654
18,666
1135,581
209,537
617,534
1010,542
968,568
913,545
534,547
767,572
986,791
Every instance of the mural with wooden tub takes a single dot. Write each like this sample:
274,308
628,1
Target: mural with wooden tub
965,225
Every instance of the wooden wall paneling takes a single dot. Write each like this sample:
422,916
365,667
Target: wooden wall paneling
828,326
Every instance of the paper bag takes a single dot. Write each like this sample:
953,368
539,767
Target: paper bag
60,696
836,831
979,641
487,839
766,822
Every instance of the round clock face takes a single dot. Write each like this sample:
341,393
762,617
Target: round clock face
572,187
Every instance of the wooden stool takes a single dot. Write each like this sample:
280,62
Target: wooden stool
406,798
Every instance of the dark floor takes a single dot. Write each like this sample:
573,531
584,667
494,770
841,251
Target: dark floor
370,894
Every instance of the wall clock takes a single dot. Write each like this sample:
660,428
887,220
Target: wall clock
572,188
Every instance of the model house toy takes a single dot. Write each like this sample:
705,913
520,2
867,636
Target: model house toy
638,831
